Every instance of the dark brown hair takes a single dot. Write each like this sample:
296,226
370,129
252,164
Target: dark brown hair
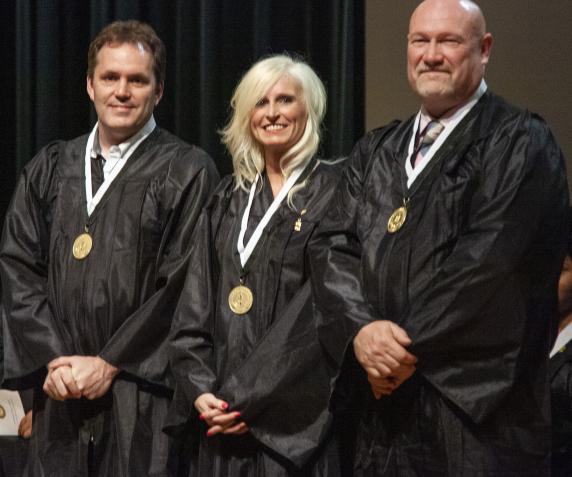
130,31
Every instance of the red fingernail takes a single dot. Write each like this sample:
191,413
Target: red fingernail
209,433
201,417
224,406
237,414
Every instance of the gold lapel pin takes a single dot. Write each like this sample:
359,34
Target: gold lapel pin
298,224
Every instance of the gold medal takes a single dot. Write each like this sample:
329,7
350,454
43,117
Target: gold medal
82,246
240,299
397,218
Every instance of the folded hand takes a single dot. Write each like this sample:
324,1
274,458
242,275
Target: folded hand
215,413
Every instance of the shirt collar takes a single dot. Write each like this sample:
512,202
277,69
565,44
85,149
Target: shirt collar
125,146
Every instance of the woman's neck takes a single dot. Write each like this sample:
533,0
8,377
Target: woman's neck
274,174
564,322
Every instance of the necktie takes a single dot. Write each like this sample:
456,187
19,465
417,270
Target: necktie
97,175
427,137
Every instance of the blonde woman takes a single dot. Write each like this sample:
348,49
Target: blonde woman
244,350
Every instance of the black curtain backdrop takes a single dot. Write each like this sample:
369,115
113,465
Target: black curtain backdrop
210,44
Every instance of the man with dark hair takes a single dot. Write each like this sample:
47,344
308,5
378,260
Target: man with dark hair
92,260
136,33
438,264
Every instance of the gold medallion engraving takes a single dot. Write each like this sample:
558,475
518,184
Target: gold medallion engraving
240,299
397,219
82,246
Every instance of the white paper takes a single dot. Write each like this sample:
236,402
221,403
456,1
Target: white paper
11,412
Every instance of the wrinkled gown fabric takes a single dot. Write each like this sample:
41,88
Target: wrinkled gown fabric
471,277
266,363
117,303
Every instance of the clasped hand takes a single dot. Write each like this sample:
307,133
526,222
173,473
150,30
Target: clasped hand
380,348
215,413
72,377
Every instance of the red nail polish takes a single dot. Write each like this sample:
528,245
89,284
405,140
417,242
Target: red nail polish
237,414
201,417
209,433
224,406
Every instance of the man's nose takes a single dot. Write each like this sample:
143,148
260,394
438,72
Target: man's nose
432,54
122,88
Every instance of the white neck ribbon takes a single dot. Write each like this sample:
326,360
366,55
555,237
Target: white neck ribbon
450,124
127,149
246,251
92,200
563,338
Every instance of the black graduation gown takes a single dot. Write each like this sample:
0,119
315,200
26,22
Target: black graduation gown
267,363
472,277
561,398
116,303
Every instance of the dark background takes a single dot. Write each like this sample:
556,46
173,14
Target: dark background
210,44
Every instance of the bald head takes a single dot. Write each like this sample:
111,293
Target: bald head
466,11
477,17
448,49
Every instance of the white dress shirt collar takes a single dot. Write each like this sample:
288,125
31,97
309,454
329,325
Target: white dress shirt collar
120,150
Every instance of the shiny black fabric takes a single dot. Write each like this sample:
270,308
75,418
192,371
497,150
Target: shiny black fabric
13,456
116,303
267,363
561,397
471,277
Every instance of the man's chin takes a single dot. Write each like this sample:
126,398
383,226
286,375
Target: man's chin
123,126
433,89
121,130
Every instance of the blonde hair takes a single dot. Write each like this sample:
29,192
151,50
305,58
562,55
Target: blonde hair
247,154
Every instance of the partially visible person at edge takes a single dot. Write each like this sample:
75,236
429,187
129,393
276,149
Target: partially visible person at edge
25,424
13,452
561,371
92,261
437,266
244,348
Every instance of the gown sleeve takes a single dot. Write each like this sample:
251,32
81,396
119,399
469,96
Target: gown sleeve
335,259
282,388
139,346
31,337
191,342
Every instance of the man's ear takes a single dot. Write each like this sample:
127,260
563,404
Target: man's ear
89,87
159,92
486,46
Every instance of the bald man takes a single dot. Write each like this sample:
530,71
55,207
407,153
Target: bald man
438,264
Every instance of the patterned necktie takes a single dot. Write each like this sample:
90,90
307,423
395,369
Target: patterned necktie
427,137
